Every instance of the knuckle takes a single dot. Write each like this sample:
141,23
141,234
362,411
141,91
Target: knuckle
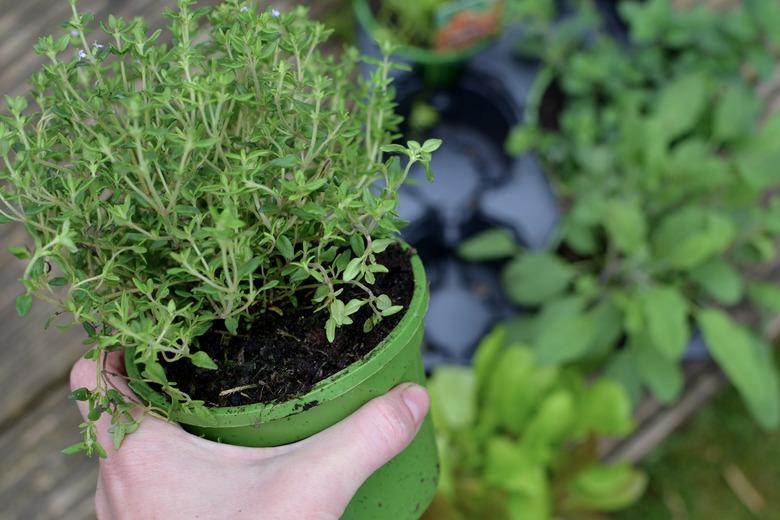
82,373
392,426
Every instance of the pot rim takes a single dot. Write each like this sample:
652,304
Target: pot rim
326,390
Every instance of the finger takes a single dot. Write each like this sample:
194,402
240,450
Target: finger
341,458
84,375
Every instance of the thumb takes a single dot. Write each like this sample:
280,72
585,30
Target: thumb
342,457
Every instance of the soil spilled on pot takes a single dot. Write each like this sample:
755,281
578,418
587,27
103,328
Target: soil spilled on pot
283,356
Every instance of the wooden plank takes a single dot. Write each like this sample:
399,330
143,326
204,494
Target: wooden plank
660,422
37,481
31,357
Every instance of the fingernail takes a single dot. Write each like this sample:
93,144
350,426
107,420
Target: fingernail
416,399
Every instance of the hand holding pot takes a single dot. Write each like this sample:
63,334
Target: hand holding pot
163,471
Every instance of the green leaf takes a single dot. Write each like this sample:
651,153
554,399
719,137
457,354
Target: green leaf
383,302
492,244
74,448
118,433
453,397
378,246
622,369
203,360
19,252
766,295
330,330
533,278
552,424
79,394
231,324
431,145
352,306
608,327
605,488
719,280
665,312
353,269
625,224
285,247
515,388
565,339
357,244
508,466
690,236
605,409
681,103
287,161
662,375
739,355
395,309
250,267
24,304
736,114
155,371
58,281
757,160
487,354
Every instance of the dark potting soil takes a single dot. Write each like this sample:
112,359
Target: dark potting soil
280,357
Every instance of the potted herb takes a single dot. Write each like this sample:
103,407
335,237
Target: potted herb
223,210
439,35
665,163
519,439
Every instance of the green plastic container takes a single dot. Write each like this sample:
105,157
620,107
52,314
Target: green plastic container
401,489
437,68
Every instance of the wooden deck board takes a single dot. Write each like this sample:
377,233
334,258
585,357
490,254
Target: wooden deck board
37,481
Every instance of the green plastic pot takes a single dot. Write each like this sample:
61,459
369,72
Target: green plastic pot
401,489
438,68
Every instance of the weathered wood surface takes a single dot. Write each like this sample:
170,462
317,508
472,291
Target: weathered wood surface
37,481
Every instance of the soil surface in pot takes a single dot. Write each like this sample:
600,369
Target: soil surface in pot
282,356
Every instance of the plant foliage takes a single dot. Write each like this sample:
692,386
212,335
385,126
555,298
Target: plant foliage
171,186
667,160
518,438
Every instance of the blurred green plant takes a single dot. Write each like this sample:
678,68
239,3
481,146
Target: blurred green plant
667,162
171,188
518,439
409,23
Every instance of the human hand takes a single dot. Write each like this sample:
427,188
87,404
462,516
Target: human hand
161,471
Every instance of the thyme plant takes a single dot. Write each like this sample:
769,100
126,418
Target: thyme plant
171,186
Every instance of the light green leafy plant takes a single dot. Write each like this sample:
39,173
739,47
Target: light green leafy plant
667,161
519,439
171,187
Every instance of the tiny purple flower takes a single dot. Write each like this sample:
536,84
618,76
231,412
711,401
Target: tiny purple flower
275,13
97,45
245,8
74,32
82,54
